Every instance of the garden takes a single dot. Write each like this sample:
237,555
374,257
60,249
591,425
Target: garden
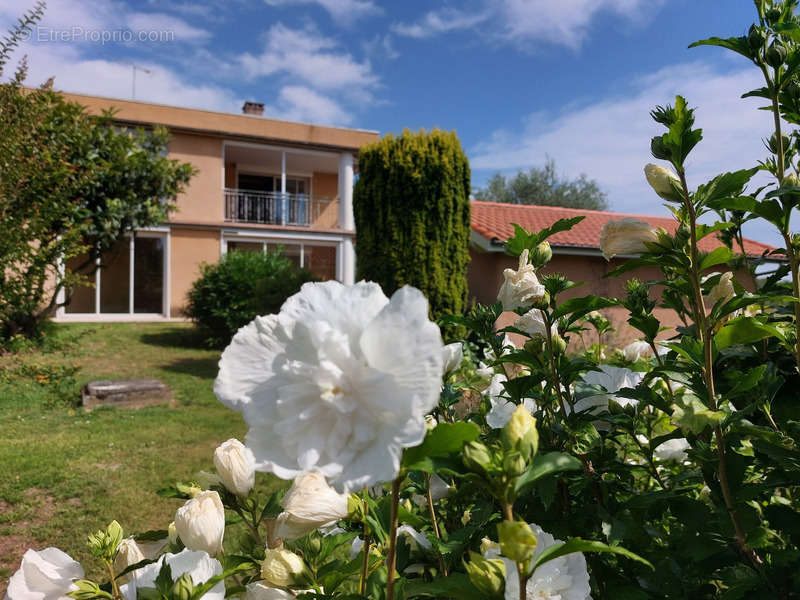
385,440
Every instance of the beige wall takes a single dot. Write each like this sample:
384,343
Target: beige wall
189,248
202,202
327,184
485,275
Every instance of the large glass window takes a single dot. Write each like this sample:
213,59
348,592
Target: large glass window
148,275
317,258
120,288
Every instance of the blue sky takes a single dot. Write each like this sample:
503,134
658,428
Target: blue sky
517,79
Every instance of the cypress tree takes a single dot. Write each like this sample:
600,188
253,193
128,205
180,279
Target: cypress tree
411,208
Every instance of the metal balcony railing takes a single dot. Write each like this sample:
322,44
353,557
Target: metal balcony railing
277,208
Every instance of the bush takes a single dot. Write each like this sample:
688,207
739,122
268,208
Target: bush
241,286
411,209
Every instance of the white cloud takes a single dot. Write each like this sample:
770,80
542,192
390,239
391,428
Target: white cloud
306,56
300,103
563,23
609,139
441,21
341,11
381,45
160,22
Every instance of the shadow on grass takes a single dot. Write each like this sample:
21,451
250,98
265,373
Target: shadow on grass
205,368
176,337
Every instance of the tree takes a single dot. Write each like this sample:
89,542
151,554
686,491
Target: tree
544,187
411,206
71,184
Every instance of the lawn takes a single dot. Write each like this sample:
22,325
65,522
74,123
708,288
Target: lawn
66,472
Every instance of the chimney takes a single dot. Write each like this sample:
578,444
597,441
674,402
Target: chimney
253,108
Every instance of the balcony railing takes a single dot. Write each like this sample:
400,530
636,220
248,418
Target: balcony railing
277,208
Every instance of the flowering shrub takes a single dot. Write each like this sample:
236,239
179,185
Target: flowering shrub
667,469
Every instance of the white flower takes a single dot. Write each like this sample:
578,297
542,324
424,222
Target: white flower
308,505
611,379
281,567
355,547
338,382
483,371
128,553
439,489
532,323
44,575
501,407
520,287
199,565
661,179
636,350
452,355
674,449
723,290
564,578
625,236
259,591
200,523
408,531
236,467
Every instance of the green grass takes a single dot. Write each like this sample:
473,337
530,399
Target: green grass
65,472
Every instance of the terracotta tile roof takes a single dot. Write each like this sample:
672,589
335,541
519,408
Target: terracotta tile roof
493,221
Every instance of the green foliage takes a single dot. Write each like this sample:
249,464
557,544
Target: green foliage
70,184
411,206
543,186
243,285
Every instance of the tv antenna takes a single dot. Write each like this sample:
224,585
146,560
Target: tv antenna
135,68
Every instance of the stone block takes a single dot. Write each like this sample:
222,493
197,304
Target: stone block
131,393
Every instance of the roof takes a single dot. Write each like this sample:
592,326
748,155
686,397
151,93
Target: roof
251,127
493,220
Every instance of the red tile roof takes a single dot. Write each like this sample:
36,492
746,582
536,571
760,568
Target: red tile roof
493,221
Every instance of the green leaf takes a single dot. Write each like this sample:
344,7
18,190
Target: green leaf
719,255
737,44
744,330
579,545
442,440
692,415
522,239
547,464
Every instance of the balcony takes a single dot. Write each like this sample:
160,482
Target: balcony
280,208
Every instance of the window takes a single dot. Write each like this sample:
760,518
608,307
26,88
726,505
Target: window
131,280
319,258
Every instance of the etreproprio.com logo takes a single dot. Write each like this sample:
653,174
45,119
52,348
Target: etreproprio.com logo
98,36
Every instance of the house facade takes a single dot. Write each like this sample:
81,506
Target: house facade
259,184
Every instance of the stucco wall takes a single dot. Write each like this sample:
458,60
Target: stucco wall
188,249
485,275
202,202
327,184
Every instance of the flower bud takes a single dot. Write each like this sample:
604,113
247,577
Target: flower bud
477,457
756,38
636,350
541,255
663,182
514,464
517,540
626,236
183,588
559,345
200,523
281,568
236,466
541,302
776,54
308,505
520,433
172,533
723,290
452,355
520,287
487,545
773,143
534,345
487,574
128,553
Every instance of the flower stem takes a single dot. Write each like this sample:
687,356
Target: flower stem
362,582
508,515
432,512
391,556
114,586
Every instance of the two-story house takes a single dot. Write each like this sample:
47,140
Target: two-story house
260,184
